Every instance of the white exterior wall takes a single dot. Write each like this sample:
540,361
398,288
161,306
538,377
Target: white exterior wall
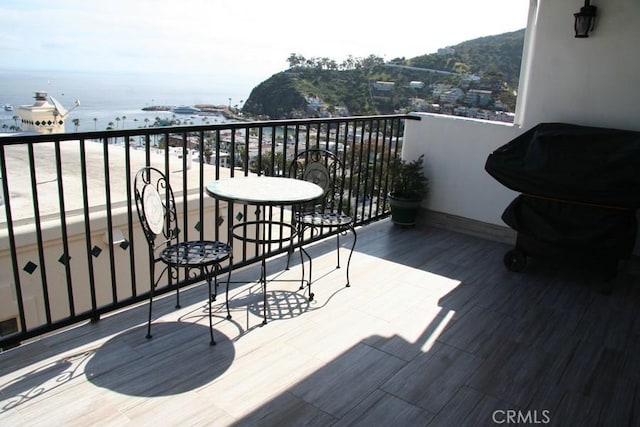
52,245
593,81
455,152
31,287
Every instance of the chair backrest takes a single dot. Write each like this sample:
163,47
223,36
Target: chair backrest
324,168
156,206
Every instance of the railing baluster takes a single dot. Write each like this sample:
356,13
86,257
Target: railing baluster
131,244
368,144
17,283
107,192
66,255
200,185
87,226
348,161
38,225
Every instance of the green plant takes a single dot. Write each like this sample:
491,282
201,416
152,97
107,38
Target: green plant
407,179
208,151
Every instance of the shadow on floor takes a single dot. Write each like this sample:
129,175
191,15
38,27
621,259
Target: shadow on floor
168,364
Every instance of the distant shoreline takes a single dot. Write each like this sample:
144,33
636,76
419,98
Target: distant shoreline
205,110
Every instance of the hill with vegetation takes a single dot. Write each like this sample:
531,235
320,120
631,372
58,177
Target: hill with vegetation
478,77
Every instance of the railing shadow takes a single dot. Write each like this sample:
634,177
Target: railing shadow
41,380
132,365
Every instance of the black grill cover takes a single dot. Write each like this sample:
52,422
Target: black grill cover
585,228
573,163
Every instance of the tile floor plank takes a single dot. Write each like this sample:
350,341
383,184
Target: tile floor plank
433,331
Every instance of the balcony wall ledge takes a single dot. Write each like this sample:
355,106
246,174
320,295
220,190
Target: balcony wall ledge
460,119
493,232
456,150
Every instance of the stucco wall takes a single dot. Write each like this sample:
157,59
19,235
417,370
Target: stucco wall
455,152
31,284
592,81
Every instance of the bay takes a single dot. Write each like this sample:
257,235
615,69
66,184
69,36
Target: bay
106,96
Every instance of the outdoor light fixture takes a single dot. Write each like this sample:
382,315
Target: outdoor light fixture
585,20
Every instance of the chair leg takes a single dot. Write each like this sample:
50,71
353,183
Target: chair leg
214,293
288,258
302,279
311,294
355,239
338,249
228,282
153,286
149,321
208,274
290,251
177,292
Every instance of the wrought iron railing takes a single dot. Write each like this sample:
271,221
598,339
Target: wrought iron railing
70,244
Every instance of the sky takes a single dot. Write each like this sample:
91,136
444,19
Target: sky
236,42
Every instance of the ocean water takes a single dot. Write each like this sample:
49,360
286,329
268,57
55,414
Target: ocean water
105,96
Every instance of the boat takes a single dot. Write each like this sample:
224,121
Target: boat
185,109
8,107
42,116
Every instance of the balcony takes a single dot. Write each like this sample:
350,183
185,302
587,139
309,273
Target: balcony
72,245
433,331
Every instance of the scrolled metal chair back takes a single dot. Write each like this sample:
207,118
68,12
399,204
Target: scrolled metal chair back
324,168
156,206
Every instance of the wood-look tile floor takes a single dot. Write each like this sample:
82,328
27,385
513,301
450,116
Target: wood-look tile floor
434,331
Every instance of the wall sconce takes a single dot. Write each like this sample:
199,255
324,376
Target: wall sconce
585,20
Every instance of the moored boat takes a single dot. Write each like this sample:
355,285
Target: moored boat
185,109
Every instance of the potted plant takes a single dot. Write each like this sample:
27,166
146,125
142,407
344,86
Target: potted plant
409,186
208,152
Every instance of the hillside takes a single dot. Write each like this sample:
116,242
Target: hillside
477,77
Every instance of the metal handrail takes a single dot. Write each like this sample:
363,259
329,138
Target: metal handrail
92,268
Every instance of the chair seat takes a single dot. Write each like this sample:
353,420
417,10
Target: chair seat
325,219
195,253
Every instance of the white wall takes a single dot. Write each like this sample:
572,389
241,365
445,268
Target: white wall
593,81
31,284
455,152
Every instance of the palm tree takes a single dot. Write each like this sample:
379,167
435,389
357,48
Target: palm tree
123,119
117,120
15,119
95,123
146,122
76,123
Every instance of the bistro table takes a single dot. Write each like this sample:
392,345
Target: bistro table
263,192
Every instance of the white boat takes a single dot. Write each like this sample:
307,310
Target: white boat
185,109
42,116
8,107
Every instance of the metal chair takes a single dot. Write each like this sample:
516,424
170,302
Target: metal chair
324,168
157,213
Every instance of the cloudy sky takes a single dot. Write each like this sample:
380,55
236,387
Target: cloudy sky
237,41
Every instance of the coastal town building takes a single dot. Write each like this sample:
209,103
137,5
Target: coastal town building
42,116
